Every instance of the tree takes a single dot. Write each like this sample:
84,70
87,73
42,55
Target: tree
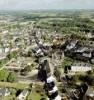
57,73
11,77
26,70
3,75
67,62
30,86
87,78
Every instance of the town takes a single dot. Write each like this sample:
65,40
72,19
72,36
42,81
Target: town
47,55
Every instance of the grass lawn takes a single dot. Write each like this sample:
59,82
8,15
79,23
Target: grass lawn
11,97
13,85
36,94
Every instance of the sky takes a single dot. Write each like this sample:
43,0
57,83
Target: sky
45,4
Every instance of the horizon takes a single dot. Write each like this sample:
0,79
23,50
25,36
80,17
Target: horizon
16,5
45,10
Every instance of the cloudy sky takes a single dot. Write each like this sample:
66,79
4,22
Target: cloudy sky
45,4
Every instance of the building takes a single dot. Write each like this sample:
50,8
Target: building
80,53
79,67
52,89
43,69
51,79
89,94
4,92
2,57
71,45
90,35
37,51
23,95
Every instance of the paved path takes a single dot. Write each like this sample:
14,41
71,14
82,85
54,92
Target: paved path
4,66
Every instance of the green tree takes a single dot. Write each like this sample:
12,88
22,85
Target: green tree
3,75
57,73
11,77
26,70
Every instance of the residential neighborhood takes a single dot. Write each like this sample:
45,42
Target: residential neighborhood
47,55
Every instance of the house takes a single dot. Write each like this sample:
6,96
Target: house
23,95
80,53
80,50
1,50
14,49
79,67
7,49
89,94
2,57
14,68
58,39
4,92
87,54
90,35
37,51
71,45
82,89
5,31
